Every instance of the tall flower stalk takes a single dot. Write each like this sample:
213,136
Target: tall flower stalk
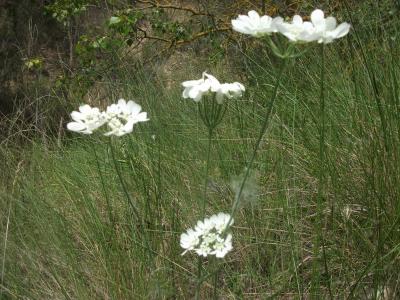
320,29
210,119
139,220
321,180
211,114
103,185
210,95
121,180
120,118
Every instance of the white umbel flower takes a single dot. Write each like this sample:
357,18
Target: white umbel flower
326,29
208,237
320,29
208,84
86,120
123,116
255,25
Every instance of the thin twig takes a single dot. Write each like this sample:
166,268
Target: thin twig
154,4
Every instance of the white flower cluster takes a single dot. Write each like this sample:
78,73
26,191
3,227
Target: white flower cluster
255,25
119,117
208,237
195,89
320,29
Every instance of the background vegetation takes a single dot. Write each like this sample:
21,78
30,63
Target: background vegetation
66,226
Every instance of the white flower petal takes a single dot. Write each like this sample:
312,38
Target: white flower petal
254,25
253,15
133,107
122,102
75,126
194,92
142,117
330,23
191,83
77,116
297,20
185,93
342,30
317,16
85,108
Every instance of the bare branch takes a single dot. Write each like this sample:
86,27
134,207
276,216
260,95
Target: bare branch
154,4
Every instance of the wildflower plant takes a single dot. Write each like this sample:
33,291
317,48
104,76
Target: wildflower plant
320,29
212,237
298,32
120,118
211,96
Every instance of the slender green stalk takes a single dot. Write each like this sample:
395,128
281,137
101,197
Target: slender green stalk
128,197
199,279
203,206
289,218
106,195
135,211
159,181
263,129
321,182
215,281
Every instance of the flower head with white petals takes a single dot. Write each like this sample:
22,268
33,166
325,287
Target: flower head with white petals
119,117
255,25
326,29
320,29
195,89
209,237
86,120
208,84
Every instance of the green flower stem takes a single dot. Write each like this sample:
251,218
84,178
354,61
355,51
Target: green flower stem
199,279
203,205
135,211
103,185
204,199
321,180
215,281
264,128
128,197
